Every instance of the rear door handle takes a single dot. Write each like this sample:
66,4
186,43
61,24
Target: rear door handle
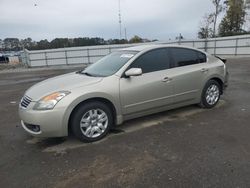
167,79
204,70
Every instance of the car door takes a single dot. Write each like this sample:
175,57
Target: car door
189,73
150,90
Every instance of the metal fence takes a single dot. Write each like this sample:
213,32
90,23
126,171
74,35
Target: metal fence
227,46
68,56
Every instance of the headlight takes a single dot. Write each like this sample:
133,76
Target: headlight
48,102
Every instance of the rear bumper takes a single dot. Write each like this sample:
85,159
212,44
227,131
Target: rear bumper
226,81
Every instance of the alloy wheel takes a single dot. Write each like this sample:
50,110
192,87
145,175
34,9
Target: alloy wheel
212,94
94,123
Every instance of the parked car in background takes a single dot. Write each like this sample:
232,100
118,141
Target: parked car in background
126,84
4,59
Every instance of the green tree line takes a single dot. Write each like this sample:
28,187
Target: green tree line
15,44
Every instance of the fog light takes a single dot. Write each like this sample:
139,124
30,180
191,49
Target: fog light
34,128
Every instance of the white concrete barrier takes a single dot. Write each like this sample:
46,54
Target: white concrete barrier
226,46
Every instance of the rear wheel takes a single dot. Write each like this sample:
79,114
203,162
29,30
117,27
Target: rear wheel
91,121
211,94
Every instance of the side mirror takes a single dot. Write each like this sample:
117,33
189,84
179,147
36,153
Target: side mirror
133,72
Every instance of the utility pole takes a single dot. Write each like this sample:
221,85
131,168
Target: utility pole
125,32
120,19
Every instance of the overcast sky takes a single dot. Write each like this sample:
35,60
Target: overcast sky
153,19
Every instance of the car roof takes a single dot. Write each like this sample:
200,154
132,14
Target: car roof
140,47
146,47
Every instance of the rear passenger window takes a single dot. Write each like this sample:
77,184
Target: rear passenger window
202,57
184,57
155,60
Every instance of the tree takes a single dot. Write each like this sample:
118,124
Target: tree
117,41
218,9
234,19
42,44
205,27
1,45
16,44
27,43
60,43
247,24
11,43
136,39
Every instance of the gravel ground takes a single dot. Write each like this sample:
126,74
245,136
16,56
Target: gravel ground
4,67
187,147
14,68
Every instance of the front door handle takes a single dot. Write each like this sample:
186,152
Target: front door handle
167,79
204,70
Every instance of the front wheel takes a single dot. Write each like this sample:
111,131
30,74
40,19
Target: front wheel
211,94
91,121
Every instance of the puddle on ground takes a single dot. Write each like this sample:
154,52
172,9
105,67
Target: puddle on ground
61,145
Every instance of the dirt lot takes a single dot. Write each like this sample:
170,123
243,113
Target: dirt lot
187,147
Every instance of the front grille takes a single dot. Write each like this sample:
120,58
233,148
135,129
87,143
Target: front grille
25,102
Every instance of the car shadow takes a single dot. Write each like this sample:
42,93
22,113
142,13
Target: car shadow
59,145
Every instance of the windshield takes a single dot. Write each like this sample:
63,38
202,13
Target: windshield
110,64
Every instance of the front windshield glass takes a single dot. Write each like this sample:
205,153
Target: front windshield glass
110,64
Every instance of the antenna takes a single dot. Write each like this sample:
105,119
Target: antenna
120,18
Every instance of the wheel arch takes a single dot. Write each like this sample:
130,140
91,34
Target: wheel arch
217,77
99,99
220,82
214,79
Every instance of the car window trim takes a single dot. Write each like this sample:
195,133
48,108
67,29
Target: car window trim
202,54
174,63
167,51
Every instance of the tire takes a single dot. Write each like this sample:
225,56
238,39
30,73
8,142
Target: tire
210,94
91,121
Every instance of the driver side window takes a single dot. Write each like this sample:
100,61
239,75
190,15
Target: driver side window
152,61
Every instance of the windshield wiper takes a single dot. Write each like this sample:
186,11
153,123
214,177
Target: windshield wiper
80,71
88,74
85,73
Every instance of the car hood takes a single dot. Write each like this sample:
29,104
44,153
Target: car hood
64,82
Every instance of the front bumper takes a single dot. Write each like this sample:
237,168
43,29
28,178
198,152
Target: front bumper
50,122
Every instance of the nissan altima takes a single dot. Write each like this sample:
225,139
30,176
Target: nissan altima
126,84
